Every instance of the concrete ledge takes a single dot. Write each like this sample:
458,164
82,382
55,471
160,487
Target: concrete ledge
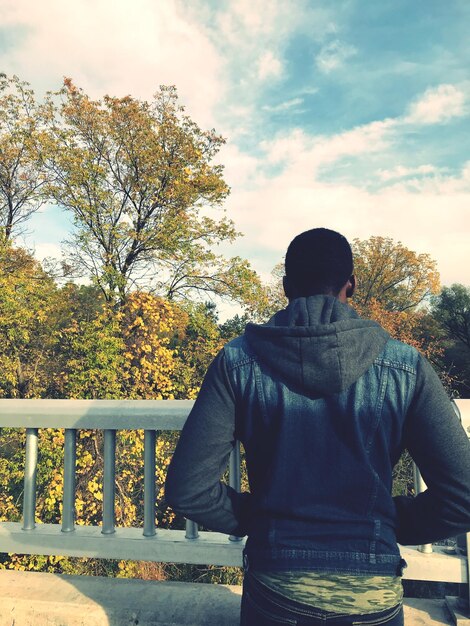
426,613
36,599
439,565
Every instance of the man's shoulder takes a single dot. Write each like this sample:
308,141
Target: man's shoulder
399,354
237,351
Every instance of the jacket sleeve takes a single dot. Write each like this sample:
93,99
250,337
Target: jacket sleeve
193,486
440,448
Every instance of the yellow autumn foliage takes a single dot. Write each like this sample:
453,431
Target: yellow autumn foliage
149,326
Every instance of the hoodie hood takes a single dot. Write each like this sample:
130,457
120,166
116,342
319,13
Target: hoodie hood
318,344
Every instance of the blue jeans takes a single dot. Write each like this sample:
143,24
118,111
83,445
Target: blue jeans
263,607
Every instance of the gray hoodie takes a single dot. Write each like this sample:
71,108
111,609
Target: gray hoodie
318,343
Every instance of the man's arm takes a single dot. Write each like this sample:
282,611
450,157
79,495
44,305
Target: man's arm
441,450
193,487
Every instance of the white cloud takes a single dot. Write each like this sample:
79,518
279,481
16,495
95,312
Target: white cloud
257,17
270,21
367,138
240,168
269,66
437,105
47,250
400,171
220,60
113,46
425,207
434,219
283,106
333,55
214,55
466,173
255,37
303,154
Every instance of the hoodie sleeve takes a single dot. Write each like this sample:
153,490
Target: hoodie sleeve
440,448
193,486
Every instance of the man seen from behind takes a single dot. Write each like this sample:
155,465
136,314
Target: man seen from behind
324,403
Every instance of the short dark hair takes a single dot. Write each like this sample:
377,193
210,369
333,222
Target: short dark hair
318,261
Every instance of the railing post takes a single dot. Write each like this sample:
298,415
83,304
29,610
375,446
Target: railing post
463,546
464,595
467,589
70,460
192,530
420,486
234,476
109,482
459,606
30,470
149,483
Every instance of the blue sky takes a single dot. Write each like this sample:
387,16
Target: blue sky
341,113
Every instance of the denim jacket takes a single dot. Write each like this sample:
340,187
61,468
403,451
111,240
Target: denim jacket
321,401
320,465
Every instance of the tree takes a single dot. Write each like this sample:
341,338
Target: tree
20,174
233,327
392,283
452,309
91,357
28,321
407,326
149,326
391,274
140,182
197,347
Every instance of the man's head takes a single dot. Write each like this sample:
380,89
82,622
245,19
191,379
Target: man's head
319,261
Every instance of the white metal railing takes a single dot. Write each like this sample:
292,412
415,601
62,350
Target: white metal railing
93,414
147,543
107,541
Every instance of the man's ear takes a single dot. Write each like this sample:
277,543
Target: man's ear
351,286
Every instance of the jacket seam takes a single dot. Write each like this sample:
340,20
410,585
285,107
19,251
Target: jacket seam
246,361
395,365
378,410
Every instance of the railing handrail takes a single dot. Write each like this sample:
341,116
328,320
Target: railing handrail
95,414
